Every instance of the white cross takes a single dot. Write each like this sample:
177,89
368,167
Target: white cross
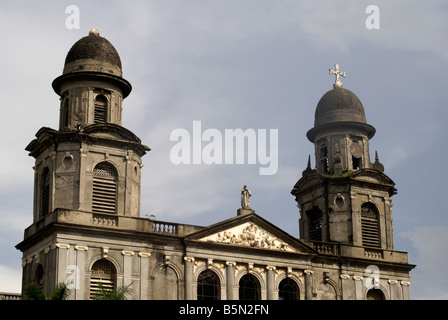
337,73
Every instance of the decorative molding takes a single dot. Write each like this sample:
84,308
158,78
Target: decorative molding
392,281
127,252
81,248
345,276
357,277
219,266
231,263
145,254
405,283
259,270
191,259
60,245
209,263
239,267
308,271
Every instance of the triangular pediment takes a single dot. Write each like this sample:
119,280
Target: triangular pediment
250,232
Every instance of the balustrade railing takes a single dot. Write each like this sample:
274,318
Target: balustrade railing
164,227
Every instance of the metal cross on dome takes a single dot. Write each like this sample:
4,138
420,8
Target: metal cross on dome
337,73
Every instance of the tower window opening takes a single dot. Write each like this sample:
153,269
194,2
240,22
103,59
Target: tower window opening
324,159
356,163
64,114
315,224
45,193
100,111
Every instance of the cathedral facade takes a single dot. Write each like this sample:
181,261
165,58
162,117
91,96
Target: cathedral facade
87,231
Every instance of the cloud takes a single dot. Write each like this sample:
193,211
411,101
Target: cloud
428,280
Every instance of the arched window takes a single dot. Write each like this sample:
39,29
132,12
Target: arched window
315,224
45,193
370,225
375,294
39,276
208,286
103,276
100,111
104,195
249,288
288,290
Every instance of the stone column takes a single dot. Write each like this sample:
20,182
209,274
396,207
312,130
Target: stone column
144,274
127,266
79,274
270,282
308,284
189,278
405,287
359,285
230,274
62,259
393,289
346,292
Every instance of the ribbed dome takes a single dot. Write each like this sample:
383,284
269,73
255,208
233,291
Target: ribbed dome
339,105
94,47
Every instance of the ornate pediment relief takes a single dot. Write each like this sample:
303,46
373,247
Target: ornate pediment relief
251,235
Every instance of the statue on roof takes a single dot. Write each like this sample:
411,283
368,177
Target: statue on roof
245,195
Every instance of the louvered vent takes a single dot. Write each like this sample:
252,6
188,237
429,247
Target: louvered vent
103,275
100,112
104,197
370,226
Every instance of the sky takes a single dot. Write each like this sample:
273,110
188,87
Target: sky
248,64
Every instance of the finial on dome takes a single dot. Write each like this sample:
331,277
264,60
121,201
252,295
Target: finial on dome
308,169
337,73
94,32
377,165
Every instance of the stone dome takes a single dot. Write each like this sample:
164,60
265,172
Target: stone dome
93,58
339,110
339,105
93,53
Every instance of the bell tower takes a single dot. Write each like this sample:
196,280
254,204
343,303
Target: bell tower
91,163
346,199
